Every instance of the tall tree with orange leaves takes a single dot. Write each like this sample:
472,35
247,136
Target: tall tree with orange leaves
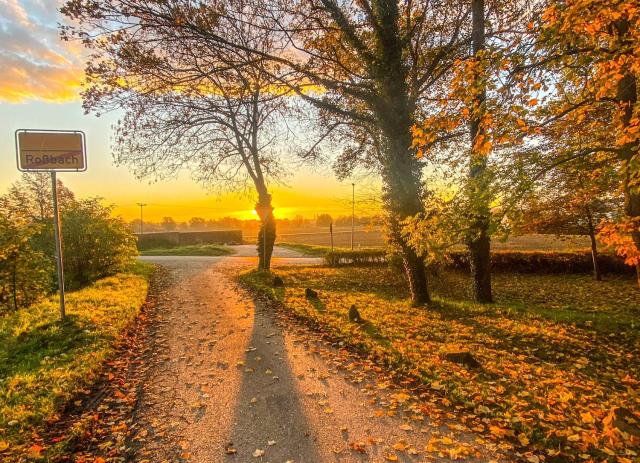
591,50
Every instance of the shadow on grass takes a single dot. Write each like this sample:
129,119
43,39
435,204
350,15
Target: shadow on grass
279,293
25,353
374,333
318,304
541,347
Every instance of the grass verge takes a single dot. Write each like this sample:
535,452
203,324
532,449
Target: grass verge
307,249
44,363
559,354
191,250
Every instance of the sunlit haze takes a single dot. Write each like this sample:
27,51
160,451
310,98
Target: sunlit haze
39,89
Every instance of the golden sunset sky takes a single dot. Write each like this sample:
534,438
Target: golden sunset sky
40,81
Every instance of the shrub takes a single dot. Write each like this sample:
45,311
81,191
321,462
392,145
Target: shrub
156,240
163,240
501,261
25,274
338,258
543,262
95,244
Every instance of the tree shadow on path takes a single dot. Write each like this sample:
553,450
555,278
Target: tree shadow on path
269,415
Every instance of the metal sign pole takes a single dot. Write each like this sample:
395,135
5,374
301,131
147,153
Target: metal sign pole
52,151
58,242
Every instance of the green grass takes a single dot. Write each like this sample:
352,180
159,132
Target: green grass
44,362
191,250
553,348
307,249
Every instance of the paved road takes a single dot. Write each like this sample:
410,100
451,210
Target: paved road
231,381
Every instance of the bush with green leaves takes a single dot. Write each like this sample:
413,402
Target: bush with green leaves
340,257
95,244
25,273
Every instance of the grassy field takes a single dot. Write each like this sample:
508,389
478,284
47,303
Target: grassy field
44,363
559,355
320,236
191,250
367,238
307,249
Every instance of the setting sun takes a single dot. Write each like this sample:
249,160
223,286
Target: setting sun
319,231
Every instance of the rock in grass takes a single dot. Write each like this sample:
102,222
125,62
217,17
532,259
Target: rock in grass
354,315
310,293
463,358
278,282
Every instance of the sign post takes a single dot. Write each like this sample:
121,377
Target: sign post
52,151
58,241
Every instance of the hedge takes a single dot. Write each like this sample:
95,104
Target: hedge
501,261
172,239
544,262
337,258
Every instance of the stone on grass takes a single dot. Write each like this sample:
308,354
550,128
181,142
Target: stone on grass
354,315
463,358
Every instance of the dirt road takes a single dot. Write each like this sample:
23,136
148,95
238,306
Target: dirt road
230,381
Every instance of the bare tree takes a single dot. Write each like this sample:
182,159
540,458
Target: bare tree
371,66
479,240
187,105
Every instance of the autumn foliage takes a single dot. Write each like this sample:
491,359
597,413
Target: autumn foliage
554,384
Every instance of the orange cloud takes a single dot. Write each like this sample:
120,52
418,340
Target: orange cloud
34,62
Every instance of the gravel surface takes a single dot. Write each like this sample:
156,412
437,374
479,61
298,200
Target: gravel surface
232,381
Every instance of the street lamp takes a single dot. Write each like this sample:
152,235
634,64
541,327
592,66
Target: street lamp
141,222
353,211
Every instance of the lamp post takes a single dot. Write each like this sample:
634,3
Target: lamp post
353,211
141,222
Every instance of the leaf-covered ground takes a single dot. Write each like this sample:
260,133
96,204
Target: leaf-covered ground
44,363
559,355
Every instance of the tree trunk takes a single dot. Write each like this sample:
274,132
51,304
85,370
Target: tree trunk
267,233
594,253
413,264
627,93
402,197
480,264
479,241
401,170
632,207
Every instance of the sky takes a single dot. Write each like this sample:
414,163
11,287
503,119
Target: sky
40,82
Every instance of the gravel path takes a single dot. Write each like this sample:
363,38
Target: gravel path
231,381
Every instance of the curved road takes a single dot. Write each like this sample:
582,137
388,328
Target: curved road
232,381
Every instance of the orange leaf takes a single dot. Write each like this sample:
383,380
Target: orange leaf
497,431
